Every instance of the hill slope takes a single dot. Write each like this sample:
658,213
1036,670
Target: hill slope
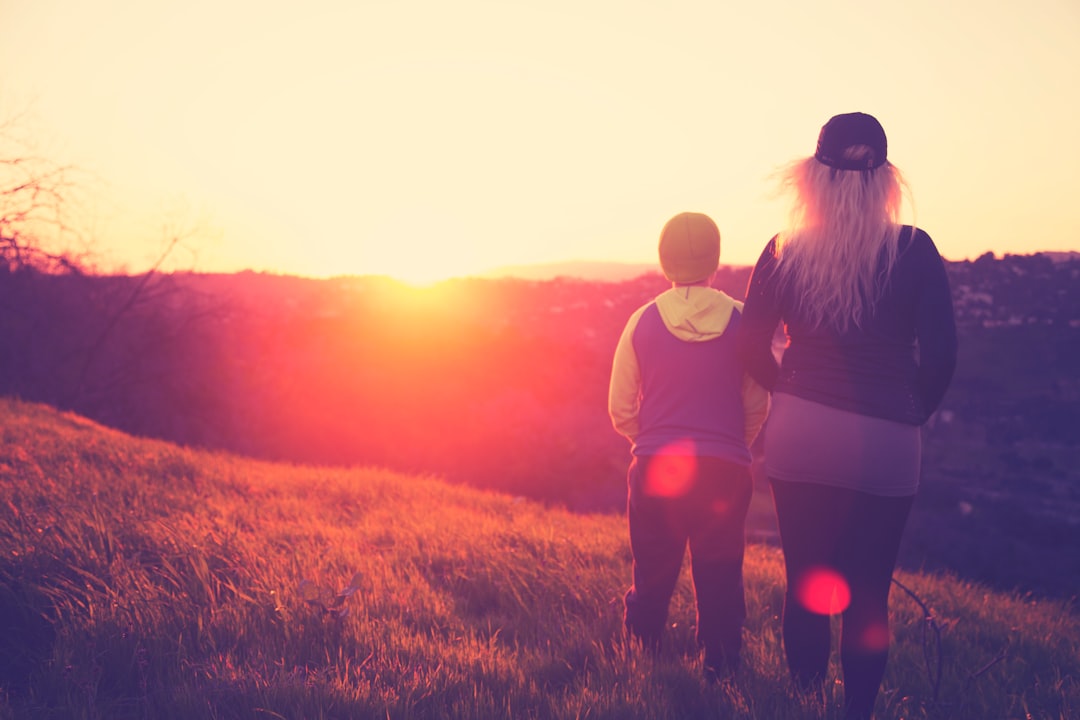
140,579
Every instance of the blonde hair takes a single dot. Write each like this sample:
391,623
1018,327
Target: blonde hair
841,241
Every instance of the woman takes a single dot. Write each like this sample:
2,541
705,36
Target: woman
871,349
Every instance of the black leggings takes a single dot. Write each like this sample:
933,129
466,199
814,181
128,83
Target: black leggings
840,550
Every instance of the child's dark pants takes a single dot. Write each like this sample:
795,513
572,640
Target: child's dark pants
701,502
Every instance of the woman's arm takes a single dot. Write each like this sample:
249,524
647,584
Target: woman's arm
935,328
760,316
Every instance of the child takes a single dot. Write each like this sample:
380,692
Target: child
679,393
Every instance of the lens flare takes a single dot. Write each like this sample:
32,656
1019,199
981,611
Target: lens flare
671,471
824,591
721,507
875,638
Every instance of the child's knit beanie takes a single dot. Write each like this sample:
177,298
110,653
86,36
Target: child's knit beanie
689,248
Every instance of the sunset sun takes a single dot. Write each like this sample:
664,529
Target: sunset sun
373,138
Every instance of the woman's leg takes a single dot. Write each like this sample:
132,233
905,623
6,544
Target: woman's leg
866,555
804,512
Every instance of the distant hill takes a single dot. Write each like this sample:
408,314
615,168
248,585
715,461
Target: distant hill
501,384
581,270
139,579
1062,256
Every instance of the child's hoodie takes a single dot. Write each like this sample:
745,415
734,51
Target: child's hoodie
691,314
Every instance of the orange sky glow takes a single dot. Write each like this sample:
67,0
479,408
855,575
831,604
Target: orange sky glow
426,139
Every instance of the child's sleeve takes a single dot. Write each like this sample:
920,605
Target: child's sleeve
755,407
624,392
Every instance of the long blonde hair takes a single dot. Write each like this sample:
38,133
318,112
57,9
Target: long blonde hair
841,241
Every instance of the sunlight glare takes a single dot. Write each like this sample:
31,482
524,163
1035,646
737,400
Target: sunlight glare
419,244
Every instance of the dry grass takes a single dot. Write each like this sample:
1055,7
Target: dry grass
142,580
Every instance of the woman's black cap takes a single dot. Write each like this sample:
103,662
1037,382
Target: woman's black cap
845,131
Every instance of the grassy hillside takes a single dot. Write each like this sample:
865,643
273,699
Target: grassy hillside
142,580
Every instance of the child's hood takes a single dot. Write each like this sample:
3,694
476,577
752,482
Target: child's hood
695,313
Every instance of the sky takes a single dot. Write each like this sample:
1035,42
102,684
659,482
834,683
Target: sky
428,139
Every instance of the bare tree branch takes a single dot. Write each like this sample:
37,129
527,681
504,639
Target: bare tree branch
35,195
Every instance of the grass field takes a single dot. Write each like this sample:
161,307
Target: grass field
143,580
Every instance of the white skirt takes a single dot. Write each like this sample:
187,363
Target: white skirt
809,442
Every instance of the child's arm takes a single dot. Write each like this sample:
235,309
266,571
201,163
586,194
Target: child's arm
755,407
624,392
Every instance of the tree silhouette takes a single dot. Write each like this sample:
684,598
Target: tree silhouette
36,195
75,338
